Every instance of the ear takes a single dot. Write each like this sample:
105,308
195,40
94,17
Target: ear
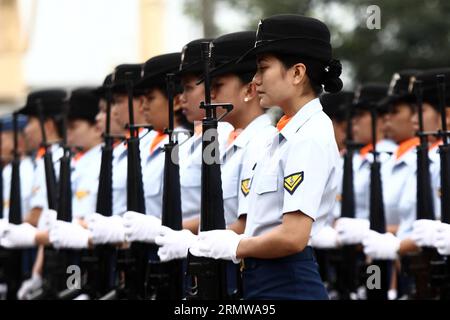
140,100
447,115
298,72
249,91
49,126
177,103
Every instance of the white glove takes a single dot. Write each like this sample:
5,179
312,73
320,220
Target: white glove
351,231
383,246
327,238
69,235
28,286
106,229
141,227
174,244
19,236
46,219
217,244
443,239
424,232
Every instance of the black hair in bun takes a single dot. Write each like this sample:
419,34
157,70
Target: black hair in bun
331,81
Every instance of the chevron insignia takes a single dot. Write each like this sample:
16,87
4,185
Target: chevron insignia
245,186
292,181
80,194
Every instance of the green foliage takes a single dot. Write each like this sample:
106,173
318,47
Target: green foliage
413,34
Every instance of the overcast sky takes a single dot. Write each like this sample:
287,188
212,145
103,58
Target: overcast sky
78,42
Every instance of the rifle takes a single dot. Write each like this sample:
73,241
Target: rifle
1,173
440,266
50,177
13,268
418,264
133,261
376,214
100,262
56,261
166,278
210,274
3,252
351,255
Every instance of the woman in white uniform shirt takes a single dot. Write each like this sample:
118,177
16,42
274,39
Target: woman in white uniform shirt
295,183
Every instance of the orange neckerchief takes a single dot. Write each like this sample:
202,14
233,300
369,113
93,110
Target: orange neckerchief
405,146
233,135
283,122
40,153
78,156
365,150
156,140
434,145
116,143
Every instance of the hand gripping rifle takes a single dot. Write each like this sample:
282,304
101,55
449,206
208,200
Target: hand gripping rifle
13,268
440,267
376,214
210,274
166,278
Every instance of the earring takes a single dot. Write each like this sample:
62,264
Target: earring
246,99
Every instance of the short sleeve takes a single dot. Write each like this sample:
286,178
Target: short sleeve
306,171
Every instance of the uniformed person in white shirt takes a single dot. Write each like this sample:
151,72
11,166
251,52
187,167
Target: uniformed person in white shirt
52,101
26,164
336,106
84,136
119,109
368,96
25,234
411,234
294,184
231,83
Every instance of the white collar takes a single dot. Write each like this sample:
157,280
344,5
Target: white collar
300,118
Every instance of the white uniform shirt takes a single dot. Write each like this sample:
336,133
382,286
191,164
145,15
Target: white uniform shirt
245,148
39,189
299,171
153,174
85,177
361,175
26,184
407,206
120,167
395,174
191,169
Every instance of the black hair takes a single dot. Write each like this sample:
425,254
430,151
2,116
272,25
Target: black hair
180,117
246,77
318,72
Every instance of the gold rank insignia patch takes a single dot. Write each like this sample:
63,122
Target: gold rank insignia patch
245,187
291,182
80,194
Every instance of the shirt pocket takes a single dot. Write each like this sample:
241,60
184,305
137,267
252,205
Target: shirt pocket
267,183
152,184
191,176
230,189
